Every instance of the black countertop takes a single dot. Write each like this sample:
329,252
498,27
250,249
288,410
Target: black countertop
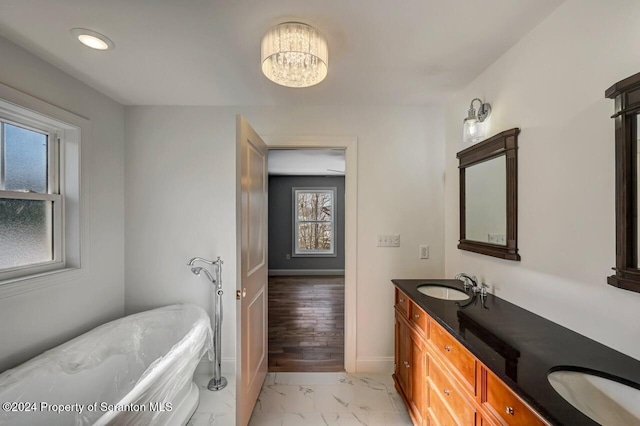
521,347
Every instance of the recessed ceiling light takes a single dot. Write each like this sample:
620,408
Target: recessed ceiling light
92,39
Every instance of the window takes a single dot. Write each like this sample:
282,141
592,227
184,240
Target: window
44,219
30,199
314,224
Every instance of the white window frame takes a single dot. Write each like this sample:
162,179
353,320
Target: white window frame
70,199
55,220
297,252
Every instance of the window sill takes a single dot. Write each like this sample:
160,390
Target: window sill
26,284
314,255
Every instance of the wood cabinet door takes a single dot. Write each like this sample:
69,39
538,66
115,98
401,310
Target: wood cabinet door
402,355
418,377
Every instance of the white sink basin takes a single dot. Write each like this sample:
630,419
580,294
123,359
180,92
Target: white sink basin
441,292
605,401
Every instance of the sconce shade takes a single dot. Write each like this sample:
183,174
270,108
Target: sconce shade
475,125
474,131
294,55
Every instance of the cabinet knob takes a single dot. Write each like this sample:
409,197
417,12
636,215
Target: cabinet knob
416,316
401,300
447,348
509,410
447,392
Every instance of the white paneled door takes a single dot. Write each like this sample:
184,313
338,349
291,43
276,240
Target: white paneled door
252,283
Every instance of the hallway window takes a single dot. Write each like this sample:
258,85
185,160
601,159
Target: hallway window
314,224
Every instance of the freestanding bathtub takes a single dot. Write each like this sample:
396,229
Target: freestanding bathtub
137,370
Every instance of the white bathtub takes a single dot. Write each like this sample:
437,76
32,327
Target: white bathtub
137,370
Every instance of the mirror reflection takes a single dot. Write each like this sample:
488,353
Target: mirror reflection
486,201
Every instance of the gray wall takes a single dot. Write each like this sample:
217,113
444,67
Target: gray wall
281,226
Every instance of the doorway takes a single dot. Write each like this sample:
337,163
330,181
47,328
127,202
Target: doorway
306,287
251,236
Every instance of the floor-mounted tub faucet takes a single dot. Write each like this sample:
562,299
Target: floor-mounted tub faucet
217,382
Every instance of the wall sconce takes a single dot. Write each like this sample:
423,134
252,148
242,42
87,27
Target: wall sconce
474,127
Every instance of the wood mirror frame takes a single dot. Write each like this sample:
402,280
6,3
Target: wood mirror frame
504,143
626,94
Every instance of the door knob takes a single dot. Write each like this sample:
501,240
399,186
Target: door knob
244,292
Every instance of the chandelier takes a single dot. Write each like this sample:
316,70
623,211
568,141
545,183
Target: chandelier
294,55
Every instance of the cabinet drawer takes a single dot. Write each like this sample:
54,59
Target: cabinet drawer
418,318
453,397
455,353
438,413
402,302
504,404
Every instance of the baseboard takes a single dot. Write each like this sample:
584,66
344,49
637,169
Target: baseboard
286,272
377,365
228,366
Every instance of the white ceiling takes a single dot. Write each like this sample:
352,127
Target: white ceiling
306,162
207,52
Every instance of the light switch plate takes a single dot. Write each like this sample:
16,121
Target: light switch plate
389,240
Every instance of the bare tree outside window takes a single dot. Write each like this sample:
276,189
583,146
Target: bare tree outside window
314,221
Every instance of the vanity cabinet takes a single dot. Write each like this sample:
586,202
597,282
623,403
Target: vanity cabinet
442,383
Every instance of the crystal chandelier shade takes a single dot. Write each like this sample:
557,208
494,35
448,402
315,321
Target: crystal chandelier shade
294,55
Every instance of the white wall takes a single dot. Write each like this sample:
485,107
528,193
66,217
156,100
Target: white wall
551,84
180,197
38,320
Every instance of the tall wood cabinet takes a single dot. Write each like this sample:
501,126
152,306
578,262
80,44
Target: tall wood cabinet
442,383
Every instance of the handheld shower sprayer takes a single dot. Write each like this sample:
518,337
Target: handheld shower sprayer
197,270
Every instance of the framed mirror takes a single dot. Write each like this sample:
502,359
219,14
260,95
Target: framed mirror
489,196
626,94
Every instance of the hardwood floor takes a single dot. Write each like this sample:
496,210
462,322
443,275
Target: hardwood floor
306,323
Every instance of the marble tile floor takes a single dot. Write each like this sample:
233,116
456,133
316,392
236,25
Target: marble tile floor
309,399
215,408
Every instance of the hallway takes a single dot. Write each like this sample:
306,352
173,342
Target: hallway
306,323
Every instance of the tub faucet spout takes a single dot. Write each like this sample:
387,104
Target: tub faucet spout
200,259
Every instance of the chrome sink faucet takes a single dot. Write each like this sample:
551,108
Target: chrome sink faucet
465,278
475,287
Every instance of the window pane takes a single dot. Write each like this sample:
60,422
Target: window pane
314,236
314,205
25,234
25,159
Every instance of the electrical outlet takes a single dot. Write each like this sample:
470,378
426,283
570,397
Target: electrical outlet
424,252
287,256
389,240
